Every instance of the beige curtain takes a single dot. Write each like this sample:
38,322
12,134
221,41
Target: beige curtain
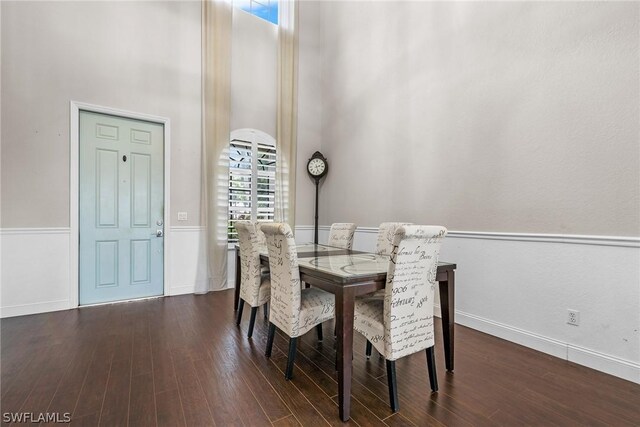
216,109
287,116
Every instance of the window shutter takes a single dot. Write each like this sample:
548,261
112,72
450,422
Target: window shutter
266,182
252,183
239,185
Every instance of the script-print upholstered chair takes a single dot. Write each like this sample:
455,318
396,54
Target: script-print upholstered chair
294,310
402,323
262,239
384,245
255,284
384,241
341,235
262,243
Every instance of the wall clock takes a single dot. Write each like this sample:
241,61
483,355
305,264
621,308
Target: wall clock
317,167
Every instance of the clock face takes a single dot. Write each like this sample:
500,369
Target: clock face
316,167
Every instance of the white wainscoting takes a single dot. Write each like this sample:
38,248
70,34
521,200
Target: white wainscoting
519,286
514,286
187,260
35,270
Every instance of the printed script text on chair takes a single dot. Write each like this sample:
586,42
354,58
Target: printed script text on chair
262,243
293,310
384,241
402,323
262,239
255,283
341,235
384,245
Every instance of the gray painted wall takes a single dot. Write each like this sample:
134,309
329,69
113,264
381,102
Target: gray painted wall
310,108
137,56
254,54
482,116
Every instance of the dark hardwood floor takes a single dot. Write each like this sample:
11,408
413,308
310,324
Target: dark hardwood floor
182,361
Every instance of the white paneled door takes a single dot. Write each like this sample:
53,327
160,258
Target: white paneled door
121,208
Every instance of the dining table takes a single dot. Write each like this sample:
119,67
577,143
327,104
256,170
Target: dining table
348,274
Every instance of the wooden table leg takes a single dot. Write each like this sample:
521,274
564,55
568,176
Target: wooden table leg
236,295
345,300
448,309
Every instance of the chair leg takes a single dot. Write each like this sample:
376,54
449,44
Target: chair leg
288,374
266,311
393,387
240,307
252,321
319,331
272,332
431,366
368,350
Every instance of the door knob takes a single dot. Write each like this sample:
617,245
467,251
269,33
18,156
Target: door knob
159,233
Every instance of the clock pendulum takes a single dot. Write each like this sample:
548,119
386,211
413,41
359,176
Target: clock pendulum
317,168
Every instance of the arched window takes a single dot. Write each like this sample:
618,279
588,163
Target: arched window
252,178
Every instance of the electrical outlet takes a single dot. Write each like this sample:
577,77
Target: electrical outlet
573,317
182,216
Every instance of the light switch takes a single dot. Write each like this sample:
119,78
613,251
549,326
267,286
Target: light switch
182,216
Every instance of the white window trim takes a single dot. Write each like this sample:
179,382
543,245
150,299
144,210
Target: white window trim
248,134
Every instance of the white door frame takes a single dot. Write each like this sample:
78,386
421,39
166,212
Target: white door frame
74,188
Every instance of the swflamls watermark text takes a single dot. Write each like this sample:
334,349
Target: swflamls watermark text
36,417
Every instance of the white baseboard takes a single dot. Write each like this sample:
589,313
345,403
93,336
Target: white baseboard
582,356
181,290
602,362
35,308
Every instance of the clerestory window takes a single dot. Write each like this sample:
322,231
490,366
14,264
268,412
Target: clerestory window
265,9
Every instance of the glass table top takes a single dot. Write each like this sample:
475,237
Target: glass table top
342,263
347,265
306,248
335,261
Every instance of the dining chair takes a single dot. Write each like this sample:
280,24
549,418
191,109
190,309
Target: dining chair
255,283
262,239
341,235
294,310
262,243
384,244
384,241
402,323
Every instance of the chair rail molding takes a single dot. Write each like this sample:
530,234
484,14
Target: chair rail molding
35,230
187,228
578,239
